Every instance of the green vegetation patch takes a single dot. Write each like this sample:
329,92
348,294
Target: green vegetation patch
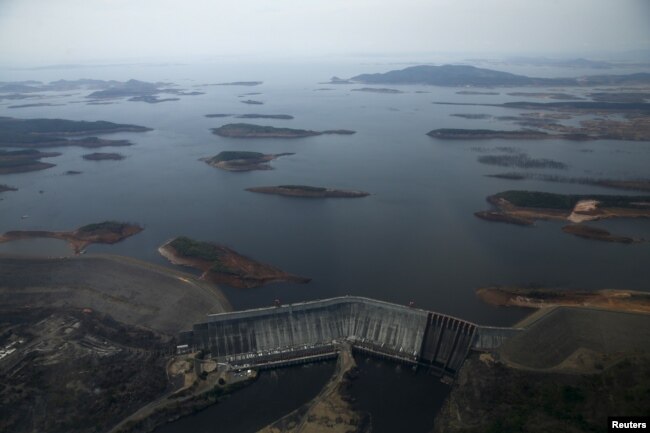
190,248
259,129
230,155
547,200
106,226
303,188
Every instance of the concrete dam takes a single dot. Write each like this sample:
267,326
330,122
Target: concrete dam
309,331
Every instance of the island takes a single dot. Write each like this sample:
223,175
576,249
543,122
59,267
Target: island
247,130
476,92
101,156
486,134
40,133
39,104
216,115
616,300
252,102
223,265
625,184
521,160
265,116
240,83
242,160
21,161
5,188
107,232
473,116
524,207
151,99
126,89
546,95
72,172
465,75
377,90
307,191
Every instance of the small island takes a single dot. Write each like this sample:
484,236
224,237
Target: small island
107,232
377,90
252,102
545,95
307,191
525,207
615,300
223,265
240,83
265,116
153,99
242,160
21,161
101,156
247,130
5,188
625,184
483,134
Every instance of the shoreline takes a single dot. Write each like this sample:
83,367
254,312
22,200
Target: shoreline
628,301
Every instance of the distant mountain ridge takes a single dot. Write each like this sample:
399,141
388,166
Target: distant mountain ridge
464,75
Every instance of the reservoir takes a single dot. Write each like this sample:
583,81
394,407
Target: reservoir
414,239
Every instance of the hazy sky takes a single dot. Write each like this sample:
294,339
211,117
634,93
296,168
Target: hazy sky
65,31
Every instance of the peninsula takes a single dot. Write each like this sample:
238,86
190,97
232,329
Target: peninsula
486,134
107,232
615,300
524,207
308,191
223,265
20,161
39,133
464,75
231,160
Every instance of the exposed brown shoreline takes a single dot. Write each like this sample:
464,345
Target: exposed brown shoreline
231,268
596,233
77,239
615,300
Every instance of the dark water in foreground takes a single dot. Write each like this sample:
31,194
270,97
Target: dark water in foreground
274,394
395,396
414,239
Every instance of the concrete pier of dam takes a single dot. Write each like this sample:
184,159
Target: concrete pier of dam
308,331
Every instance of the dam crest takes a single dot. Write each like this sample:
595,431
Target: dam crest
314,330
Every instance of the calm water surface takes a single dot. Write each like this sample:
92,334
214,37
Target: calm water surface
414,239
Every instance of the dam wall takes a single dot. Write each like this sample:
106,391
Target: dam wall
289,334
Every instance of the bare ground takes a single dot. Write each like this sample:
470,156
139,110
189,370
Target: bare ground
131,291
